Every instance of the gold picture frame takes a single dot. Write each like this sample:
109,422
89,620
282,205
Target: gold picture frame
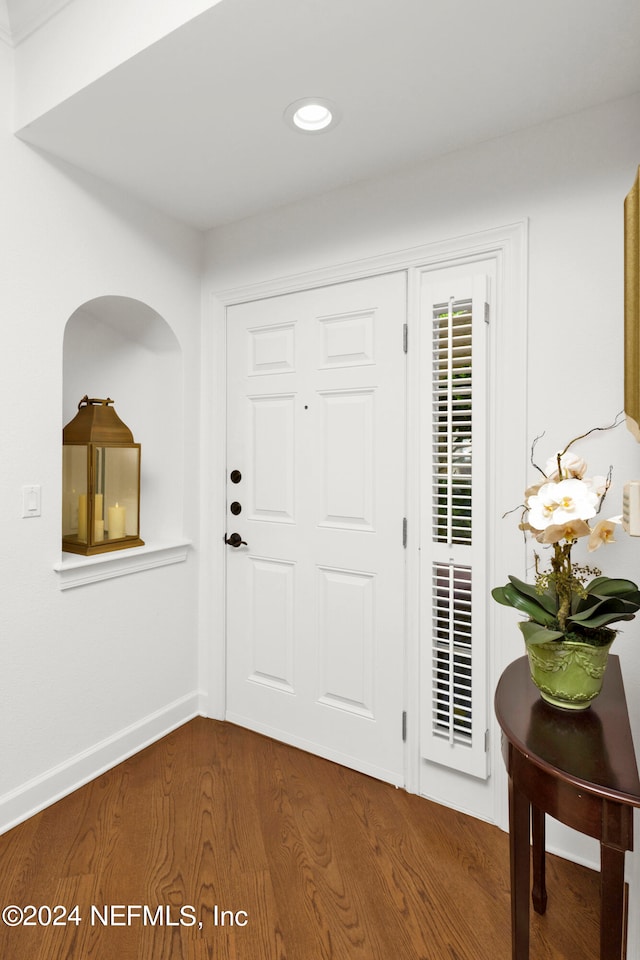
632,308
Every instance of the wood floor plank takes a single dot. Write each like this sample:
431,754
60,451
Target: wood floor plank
226,845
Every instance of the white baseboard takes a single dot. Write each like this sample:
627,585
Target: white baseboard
63,779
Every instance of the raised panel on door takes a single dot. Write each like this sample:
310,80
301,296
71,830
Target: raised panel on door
271,464
270,603
347,459
346,640
271,349
315,608
347,339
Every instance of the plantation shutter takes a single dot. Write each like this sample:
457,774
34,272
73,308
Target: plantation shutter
454,589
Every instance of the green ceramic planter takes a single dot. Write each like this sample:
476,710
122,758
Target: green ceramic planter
568,674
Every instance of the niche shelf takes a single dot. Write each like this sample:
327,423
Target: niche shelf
76,571
121,348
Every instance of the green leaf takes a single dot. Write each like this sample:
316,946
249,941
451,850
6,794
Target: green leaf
607,588
606,610
534,633
545,599
603,619
498,594
611,587
510,596
605,605
585,603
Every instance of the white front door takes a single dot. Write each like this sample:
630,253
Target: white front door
316,490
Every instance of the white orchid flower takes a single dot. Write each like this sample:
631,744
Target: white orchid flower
571,465
562,503
564,531
603,533
599,485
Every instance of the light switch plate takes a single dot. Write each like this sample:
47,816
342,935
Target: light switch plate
31,500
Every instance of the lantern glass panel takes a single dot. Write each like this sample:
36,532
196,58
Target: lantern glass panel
74,492
116,497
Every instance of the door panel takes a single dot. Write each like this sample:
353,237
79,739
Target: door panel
345,639
347,459
272,458
315,607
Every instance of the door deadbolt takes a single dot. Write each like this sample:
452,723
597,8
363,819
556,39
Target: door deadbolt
235,476
235,508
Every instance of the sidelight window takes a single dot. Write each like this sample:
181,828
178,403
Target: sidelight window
456,310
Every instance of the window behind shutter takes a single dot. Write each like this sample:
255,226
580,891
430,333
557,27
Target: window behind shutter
453,538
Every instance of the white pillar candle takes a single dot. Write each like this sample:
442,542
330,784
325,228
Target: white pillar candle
117,521
82,517
98,522
68,502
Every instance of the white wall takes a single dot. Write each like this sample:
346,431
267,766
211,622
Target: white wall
85,40
569,179
90,673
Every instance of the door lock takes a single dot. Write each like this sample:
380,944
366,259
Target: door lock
235,540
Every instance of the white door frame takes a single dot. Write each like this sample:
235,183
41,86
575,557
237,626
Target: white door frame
508,244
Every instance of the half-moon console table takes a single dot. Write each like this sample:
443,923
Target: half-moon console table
580,768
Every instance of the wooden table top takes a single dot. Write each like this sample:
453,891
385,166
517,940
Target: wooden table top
591,749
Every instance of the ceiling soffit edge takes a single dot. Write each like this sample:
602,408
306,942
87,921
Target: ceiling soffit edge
22,19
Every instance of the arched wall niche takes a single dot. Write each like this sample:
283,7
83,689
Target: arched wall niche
122,348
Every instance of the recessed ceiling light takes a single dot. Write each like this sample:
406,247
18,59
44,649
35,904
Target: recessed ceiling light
312,115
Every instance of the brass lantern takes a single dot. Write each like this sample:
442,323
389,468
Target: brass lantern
100,481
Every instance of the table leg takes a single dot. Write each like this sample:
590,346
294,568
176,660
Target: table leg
519,850
539,893
612,903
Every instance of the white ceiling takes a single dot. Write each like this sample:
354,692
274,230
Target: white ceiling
19,18
194,125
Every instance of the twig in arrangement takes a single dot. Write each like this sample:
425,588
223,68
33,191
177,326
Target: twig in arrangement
533,447
612,426
606,486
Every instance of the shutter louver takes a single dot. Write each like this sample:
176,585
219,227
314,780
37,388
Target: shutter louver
451,669
453,584
452,422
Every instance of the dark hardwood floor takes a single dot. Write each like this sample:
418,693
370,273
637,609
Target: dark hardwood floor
281,855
